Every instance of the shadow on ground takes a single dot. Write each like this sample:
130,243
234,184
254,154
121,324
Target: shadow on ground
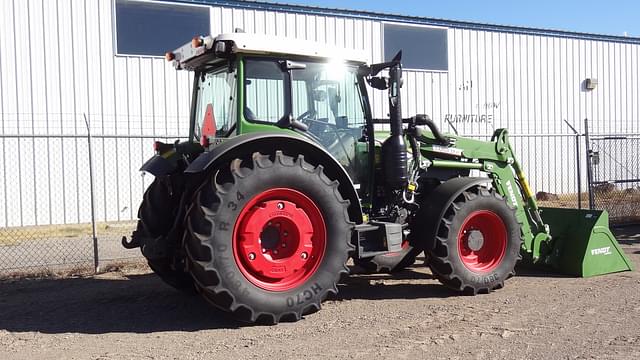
627,235
385,286
144,304
529,270
138,303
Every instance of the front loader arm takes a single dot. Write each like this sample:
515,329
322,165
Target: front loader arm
510,182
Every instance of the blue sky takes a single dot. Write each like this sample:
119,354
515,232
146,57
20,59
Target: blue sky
612,17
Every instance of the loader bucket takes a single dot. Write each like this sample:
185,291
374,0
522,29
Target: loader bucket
583,243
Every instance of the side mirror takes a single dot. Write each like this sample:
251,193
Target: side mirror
380,83
373,69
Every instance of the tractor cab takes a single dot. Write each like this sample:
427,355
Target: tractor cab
248,83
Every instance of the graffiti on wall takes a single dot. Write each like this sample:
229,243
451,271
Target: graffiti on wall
475,118
469,118
465,85
488,105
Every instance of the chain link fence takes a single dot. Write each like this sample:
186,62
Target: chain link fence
66,200
615,174
42,218
554,167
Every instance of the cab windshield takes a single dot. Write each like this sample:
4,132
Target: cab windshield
325,96
324,93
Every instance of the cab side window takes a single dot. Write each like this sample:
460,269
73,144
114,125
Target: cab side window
264,91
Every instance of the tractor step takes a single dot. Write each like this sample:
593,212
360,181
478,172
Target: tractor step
378,237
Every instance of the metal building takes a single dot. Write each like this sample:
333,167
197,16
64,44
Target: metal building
66,61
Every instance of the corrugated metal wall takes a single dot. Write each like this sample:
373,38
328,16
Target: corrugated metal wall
57,63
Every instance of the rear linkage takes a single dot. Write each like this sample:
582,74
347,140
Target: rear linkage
170,160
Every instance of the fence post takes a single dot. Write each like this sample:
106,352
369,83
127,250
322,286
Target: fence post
589,167
579,173
96,263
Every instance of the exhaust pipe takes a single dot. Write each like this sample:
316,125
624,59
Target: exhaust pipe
394,148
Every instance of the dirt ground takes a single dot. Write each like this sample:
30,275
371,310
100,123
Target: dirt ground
130,314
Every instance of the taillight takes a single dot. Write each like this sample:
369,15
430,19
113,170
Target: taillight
196,42
169,56
156,146
204,141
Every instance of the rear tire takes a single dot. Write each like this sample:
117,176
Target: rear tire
268,238
478,243
155,219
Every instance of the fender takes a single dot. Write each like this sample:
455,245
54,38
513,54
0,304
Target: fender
269,142
439,201
169,157
157,165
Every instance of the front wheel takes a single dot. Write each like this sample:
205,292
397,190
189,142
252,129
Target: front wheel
477,244
268,238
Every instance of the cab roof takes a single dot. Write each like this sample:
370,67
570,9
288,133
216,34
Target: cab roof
223,45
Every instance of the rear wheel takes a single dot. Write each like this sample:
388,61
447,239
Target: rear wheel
269,238
477,244
155,219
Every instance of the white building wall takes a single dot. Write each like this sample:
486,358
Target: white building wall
57,64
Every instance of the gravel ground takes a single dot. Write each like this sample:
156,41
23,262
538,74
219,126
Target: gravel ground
130,314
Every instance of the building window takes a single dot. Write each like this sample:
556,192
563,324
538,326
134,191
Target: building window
152,29
422,48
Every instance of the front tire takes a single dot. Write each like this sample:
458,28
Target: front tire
268,238
478,243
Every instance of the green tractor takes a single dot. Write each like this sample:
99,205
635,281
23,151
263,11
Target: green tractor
286,175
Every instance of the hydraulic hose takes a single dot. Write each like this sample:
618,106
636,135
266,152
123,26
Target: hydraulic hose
425,120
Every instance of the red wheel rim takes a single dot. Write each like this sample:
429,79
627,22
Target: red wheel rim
279,239
482,241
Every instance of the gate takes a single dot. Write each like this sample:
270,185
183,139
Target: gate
614,176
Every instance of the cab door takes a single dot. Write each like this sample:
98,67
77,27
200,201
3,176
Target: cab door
326,98
214,113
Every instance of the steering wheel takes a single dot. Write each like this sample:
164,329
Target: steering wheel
306,116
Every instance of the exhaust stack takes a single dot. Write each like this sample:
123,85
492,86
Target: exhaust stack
394,148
